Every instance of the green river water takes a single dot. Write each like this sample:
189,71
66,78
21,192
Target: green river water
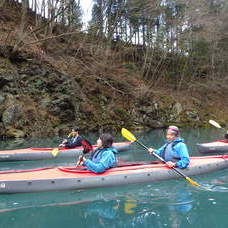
173,203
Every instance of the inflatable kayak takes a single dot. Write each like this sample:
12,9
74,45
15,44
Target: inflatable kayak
46,153
218,146
71,178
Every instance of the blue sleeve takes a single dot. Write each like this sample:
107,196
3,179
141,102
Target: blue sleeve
107,160
160,150
182,151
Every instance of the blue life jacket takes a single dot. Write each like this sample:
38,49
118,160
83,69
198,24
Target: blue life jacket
169,153
101,159
175,151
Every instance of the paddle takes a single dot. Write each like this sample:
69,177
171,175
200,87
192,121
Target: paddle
215,124
55,152
129,136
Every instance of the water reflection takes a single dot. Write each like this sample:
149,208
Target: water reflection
145,211
125,207
217,184
166,204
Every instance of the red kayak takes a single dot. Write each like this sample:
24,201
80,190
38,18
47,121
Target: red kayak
71,178
46,153
218,146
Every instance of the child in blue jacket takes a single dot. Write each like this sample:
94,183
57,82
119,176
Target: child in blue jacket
103,158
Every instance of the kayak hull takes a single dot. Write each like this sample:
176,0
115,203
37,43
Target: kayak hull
216,147
46,153
65,178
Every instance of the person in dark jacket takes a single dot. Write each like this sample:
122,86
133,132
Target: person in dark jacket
174,151
73,139
103,158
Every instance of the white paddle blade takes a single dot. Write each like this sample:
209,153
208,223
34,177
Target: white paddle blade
214,123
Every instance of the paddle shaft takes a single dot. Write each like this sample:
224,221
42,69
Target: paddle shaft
161,159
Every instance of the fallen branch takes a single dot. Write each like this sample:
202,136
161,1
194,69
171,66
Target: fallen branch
51,37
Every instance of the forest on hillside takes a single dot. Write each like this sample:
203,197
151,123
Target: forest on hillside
142,63
174,39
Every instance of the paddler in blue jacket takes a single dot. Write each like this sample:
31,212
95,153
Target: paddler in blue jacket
103,158
174,151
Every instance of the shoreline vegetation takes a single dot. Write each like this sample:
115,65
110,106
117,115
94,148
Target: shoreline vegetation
54,76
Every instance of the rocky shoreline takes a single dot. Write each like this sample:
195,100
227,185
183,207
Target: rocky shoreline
38,100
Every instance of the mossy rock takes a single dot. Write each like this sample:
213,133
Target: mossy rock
15,133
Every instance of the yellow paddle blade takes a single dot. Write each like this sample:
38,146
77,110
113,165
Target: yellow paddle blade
214,123
55,152
128,135
192,182
129,205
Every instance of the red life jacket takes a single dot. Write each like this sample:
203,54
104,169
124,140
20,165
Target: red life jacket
87,147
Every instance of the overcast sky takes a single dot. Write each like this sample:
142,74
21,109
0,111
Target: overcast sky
87,7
